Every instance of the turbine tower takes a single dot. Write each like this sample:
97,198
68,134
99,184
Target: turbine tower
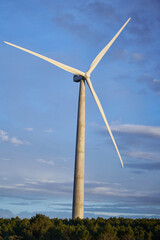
82,77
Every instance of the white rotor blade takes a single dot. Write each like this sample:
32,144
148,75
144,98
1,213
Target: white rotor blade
58,64
103,116
104,50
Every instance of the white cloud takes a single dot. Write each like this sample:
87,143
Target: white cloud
3,135
15,141
29,129
19,184
46,181
115,192
41,160
137,129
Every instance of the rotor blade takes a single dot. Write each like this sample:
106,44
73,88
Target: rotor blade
104,50
103,116
58,64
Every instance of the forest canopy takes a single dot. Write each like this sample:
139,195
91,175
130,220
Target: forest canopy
41,227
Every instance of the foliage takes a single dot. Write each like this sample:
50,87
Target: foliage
41,227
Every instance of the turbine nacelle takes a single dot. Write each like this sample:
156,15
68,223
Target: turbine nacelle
78,78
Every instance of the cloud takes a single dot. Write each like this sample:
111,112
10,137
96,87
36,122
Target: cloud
64,210
141,26
139,144
137,58
119,54
49,188
143,130
3,135
143,155
143,137
5,159
4,178
123,196
15,141
62,159
41,160
116,198
35,189
134,134
48,131
69,22
29,129
101,10
89,211
80,27
153,83
144,165
114,191
134,57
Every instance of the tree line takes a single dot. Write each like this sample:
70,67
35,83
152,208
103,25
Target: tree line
41,227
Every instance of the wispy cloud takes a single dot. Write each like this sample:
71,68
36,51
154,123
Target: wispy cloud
72,24
139,144
144,165
29,129
147,161
144,142
153,83
14,140
41,160
141,26
5,159
143,155
137,57
119,54
48,130
52,187
134,57
116,197
4,178
114,191
101,10
144,130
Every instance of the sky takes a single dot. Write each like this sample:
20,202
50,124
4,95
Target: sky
39,102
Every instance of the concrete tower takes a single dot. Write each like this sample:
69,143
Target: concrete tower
78,191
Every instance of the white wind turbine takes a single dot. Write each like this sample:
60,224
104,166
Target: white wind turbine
79,76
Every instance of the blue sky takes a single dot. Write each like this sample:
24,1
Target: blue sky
38,107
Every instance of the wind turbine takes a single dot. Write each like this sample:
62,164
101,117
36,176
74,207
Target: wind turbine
79,76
